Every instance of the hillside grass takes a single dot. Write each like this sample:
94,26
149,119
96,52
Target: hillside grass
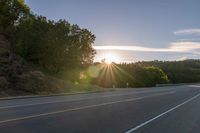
36,83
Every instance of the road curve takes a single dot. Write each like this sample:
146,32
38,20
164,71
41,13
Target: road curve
146,110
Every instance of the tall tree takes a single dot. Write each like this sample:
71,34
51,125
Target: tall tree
10,12
54,45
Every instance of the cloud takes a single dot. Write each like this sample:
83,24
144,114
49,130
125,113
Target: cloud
182,59
188,32
179,47
128,48
184,46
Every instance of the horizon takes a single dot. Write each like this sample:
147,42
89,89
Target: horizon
132,31
145,76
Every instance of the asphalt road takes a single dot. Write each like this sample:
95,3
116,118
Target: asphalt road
173,109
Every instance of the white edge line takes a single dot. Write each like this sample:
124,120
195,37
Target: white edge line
164,113
61,101
84,107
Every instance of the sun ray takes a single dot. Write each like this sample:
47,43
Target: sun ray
110,58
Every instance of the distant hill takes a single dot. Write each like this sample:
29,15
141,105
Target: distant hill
186,71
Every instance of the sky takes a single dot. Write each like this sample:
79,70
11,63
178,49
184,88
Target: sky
132,30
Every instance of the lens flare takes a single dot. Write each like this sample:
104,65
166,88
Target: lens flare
110,58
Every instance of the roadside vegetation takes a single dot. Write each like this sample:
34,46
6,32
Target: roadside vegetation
41,56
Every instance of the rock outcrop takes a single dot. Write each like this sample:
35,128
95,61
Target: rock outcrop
18,78
11,66
4,64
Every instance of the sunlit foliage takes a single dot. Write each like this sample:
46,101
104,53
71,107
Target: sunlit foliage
124,75
10,12
54,46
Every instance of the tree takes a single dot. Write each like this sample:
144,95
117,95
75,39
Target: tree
54,46
155,75
10,12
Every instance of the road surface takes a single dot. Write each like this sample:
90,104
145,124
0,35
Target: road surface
173,109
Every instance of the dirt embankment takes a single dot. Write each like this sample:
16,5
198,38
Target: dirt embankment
17,77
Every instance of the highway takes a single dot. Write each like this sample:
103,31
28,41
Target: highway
172,109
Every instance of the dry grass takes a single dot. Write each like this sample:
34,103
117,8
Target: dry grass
36,83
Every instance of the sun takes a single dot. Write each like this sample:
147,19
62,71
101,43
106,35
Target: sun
110,58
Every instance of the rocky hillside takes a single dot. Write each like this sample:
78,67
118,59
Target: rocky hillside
11,66
18,78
